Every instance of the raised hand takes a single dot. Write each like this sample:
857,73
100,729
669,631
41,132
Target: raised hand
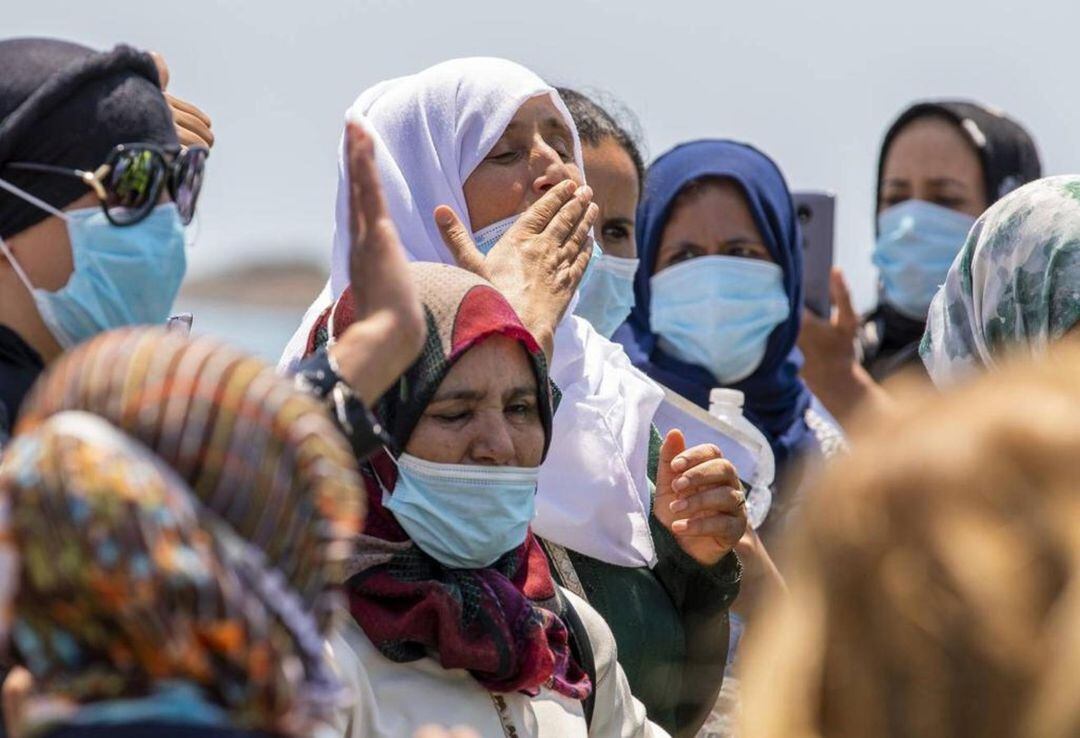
540,261
389,331
193,126
699,499
830,366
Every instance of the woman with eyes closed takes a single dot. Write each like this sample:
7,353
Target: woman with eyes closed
941,165
490,150
456,619
719,296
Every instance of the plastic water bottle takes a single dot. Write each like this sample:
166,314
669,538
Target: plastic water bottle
727,405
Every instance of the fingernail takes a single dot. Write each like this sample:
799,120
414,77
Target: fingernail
679,464
680,526
680,484
678,506
443,218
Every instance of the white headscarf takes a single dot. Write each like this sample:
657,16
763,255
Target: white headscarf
431,130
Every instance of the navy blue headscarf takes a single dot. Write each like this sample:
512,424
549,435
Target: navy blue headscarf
776,397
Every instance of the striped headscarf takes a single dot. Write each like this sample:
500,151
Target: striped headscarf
256,451
127,588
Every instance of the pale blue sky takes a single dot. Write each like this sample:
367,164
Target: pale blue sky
813,84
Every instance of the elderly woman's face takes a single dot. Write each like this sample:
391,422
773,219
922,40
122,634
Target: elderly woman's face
713,219
485,412
931,160
535,153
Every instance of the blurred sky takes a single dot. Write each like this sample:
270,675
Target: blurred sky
813,84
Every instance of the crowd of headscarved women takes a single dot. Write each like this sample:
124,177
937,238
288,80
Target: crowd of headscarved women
455,506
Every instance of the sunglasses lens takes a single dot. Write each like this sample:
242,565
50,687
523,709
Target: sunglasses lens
188,178
133,184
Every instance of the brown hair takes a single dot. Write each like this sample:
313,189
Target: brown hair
935,577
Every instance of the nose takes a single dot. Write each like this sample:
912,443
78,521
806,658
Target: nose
491,443
549,169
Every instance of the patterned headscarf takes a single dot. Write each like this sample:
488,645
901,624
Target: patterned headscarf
124,582
1015,285
256,451
502,623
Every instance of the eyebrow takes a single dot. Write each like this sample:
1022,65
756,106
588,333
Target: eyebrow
469,395
619,220
522,391
936,181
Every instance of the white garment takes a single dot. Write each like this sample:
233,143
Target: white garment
394,700
431,130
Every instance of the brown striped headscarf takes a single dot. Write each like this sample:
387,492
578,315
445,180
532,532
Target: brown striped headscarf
259,454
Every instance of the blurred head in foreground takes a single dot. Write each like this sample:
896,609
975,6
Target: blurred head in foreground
935,589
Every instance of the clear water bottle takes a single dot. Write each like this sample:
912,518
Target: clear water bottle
727,405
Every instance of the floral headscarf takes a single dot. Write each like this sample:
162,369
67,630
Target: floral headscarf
124,583
1015,285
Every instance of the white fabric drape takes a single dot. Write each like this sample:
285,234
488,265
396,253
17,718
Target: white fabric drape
431,130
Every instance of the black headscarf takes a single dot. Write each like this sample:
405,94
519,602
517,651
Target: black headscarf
67,105
1009,160
1007,151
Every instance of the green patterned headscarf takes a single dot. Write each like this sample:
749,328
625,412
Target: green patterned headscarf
1015,286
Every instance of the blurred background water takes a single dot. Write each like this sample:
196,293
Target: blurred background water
261,329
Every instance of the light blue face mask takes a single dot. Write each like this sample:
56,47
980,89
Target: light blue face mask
718,311
464,517
606,294
123,276
916,244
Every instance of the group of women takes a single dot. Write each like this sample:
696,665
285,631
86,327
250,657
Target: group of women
459,509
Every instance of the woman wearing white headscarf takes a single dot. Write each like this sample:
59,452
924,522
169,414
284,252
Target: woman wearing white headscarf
488,139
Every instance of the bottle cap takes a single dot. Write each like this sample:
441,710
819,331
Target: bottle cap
722,396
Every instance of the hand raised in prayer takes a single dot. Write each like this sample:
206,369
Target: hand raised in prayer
830,367
389,331
192,124
699,499
540,261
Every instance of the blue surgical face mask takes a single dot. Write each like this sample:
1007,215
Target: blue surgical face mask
123,276
464,517
718,311
606,294
486,238
607,287
917,243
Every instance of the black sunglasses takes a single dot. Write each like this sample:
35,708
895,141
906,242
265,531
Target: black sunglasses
129,183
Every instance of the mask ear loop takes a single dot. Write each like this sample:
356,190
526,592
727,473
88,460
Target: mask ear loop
19,271
33,200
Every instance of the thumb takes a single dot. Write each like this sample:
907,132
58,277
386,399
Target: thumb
674,444
846,317
459,241
162,69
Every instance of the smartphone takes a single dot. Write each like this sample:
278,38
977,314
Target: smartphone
181,323
817,220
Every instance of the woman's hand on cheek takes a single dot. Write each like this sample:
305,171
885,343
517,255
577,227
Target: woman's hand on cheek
699,499
540,261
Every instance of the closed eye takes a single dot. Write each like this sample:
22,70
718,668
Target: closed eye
507,157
